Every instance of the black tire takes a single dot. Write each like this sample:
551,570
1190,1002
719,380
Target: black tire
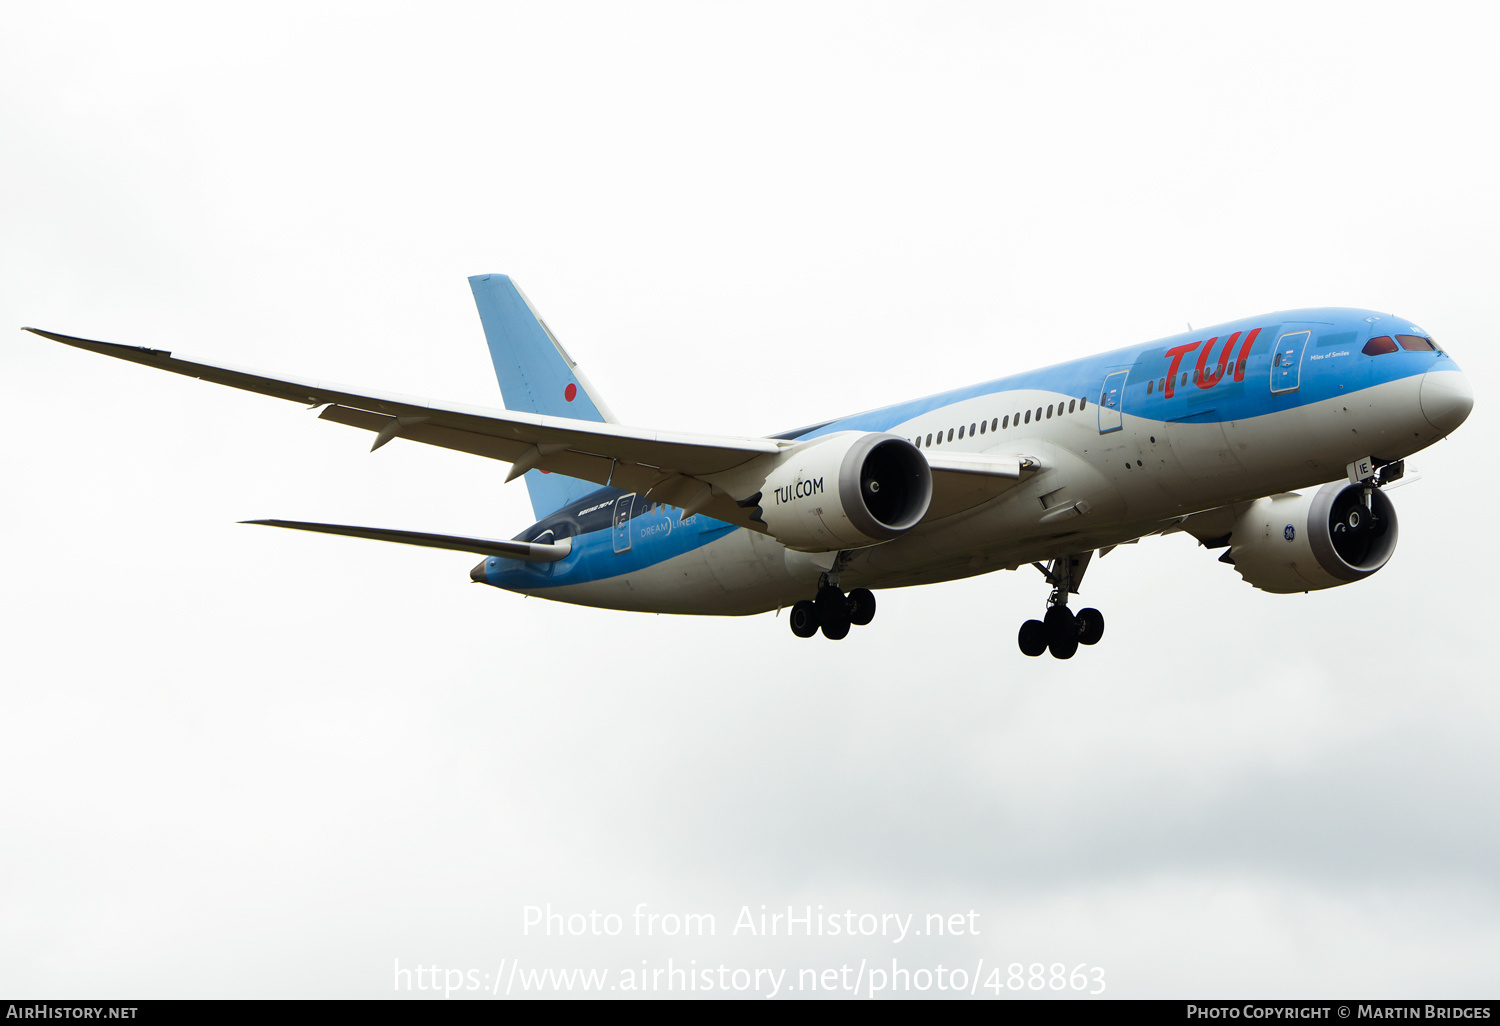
1063,648
836,631
1090,626
861,606
833,611
1061,623
1033,638
804,619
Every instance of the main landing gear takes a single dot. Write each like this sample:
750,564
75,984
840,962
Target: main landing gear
833,612
1060,630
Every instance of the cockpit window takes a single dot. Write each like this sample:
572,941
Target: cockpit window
1380,344
1415,342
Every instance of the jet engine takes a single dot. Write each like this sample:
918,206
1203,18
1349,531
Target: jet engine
1295,542
845,491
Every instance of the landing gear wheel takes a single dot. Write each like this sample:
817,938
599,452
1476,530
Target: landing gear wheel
833,613
836,631
1033,638
861,607
1063,647
804,619
1062,632
1060,622
1090,626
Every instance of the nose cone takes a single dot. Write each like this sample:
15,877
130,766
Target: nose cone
477,574
1447,399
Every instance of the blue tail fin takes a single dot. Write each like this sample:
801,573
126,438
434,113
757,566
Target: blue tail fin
536,376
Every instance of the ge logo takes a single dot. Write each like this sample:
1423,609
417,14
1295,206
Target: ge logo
1290,532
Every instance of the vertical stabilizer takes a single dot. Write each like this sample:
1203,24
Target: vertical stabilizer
536,375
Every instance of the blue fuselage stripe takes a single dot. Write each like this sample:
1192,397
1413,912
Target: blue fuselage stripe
1329,363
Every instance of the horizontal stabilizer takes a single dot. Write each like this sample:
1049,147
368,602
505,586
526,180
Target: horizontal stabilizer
526,552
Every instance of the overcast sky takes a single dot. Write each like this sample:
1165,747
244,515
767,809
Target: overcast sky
242,762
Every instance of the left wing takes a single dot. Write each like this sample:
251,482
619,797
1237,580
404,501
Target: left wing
628,458
676,468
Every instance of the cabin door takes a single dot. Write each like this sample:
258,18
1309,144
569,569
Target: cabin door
1111,399
621,522
1286,363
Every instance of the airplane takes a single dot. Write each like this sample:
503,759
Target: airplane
1273,438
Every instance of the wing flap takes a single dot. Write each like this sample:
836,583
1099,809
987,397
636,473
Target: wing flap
979,463
658,483
963,480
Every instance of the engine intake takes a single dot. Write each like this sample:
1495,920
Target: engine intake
846,491
1296,542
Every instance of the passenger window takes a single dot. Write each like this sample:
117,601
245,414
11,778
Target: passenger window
1072,405
1006,423
995,424
1379,346
960,431
1038,413
1161,386
940,438
1150,387
1415,342
1082,402
971,430
929,441
950,434
1049,411
1028,416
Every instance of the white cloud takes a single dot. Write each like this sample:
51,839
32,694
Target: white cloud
241,763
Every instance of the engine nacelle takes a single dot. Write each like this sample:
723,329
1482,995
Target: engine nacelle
846,491
1295,542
